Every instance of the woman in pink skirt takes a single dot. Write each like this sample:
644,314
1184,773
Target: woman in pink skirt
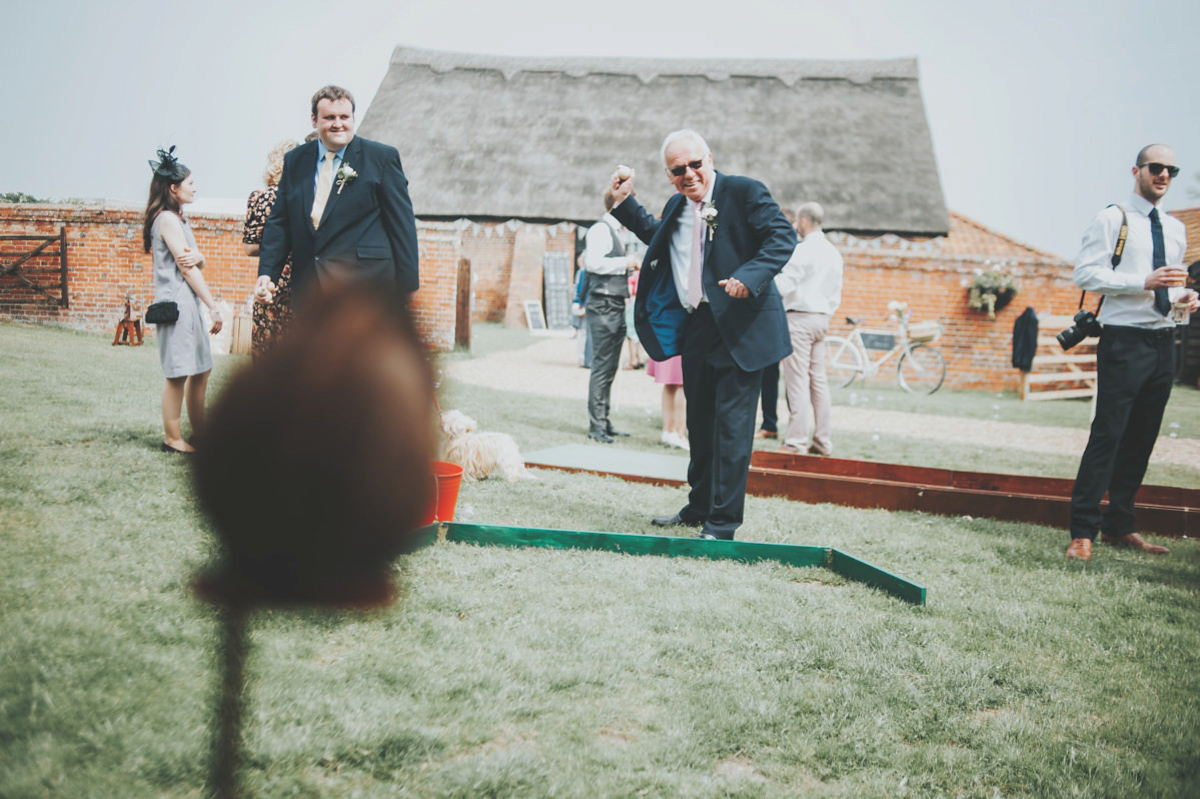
669,374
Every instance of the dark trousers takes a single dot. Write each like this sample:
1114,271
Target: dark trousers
1136,369
606,327
770,398
721,403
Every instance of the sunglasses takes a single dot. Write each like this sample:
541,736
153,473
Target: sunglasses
681,170
1156,169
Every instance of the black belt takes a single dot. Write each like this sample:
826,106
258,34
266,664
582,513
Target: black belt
1145,333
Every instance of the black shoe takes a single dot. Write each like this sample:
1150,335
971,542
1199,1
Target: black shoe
674,521
613,432
168,448
603,438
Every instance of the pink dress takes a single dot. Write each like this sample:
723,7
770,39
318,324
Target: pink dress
668,372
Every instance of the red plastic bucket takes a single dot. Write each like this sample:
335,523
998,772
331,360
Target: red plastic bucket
449,478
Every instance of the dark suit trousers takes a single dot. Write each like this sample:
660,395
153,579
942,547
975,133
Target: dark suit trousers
770,398
1136,369
721,403
606,327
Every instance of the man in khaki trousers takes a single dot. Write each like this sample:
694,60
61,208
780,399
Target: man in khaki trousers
811,285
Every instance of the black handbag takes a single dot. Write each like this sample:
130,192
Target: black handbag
162,313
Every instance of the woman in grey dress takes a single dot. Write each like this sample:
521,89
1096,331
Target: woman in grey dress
183,345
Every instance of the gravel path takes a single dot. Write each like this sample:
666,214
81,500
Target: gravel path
548,368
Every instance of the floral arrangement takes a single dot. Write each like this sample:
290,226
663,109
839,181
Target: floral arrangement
709,215
898,310
991,290
345,175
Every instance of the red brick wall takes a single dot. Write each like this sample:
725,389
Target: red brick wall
489,248
498,289
105,261
978,349
434,303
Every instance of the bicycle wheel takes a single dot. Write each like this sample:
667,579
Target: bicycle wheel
843,361
921,370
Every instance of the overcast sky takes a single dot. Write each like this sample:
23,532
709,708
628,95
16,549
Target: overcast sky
1037,109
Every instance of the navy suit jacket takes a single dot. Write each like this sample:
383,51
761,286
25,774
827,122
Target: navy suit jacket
752,242
367,229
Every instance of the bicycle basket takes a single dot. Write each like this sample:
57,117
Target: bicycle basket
924,331
878,340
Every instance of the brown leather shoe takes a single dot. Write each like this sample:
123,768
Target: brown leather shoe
1080,548
1134,541
766,434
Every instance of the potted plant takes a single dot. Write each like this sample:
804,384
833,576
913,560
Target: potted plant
991,291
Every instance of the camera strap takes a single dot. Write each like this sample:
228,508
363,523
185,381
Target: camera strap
1118,250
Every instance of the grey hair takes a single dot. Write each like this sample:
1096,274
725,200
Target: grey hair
813,212
683,133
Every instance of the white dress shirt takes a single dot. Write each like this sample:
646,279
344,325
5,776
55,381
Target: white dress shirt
681,247
811,281
597,246
1126,300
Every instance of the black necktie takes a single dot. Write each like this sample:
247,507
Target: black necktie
1162,302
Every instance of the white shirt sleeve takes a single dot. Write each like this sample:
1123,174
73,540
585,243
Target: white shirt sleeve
599,244
1093,268
794,272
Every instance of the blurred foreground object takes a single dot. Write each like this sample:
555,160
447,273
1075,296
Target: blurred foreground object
315,469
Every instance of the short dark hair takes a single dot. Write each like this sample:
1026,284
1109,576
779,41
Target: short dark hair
331,93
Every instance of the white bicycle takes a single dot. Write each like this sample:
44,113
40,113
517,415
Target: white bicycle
920,369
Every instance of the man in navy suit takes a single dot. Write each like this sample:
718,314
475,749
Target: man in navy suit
342,210
707,293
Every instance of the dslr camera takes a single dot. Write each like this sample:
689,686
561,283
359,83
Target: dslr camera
1085,325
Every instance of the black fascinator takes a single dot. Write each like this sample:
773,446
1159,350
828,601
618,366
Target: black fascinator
168,166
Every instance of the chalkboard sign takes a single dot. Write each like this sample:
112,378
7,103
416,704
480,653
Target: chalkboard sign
533,315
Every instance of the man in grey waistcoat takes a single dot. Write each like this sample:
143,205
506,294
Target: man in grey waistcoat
608,268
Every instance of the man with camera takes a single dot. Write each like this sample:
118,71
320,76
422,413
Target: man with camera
1132,255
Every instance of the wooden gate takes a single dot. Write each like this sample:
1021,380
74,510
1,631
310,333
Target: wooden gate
35,268
1057,374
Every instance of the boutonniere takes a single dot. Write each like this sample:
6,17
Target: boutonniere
345,175
709,214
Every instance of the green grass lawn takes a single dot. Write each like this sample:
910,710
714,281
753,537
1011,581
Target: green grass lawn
570,674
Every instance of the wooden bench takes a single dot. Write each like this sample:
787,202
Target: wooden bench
1056,374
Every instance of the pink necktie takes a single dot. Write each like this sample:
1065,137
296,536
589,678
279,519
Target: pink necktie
695,289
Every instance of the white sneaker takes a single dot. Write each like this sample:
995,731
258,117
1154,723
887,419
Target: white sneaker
672,439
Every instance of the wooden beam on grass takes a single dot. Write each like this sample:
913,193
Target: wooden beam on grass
1164,510
668,546
857,569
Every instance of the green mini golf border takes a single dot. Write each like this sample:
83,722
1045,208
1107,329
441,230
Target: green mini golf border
839,562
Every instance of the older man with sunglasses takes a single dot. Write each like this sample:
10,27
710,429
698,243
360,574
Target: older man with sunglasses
1135,359
707,292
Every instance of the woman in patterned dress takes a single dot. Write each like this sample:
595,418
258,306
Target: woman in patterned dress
183,345
269,319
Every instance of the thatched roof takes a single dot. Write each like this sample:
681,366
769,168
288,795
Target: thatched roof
498,137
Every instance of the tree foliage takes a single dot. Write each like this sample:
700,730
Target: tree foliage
19,197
